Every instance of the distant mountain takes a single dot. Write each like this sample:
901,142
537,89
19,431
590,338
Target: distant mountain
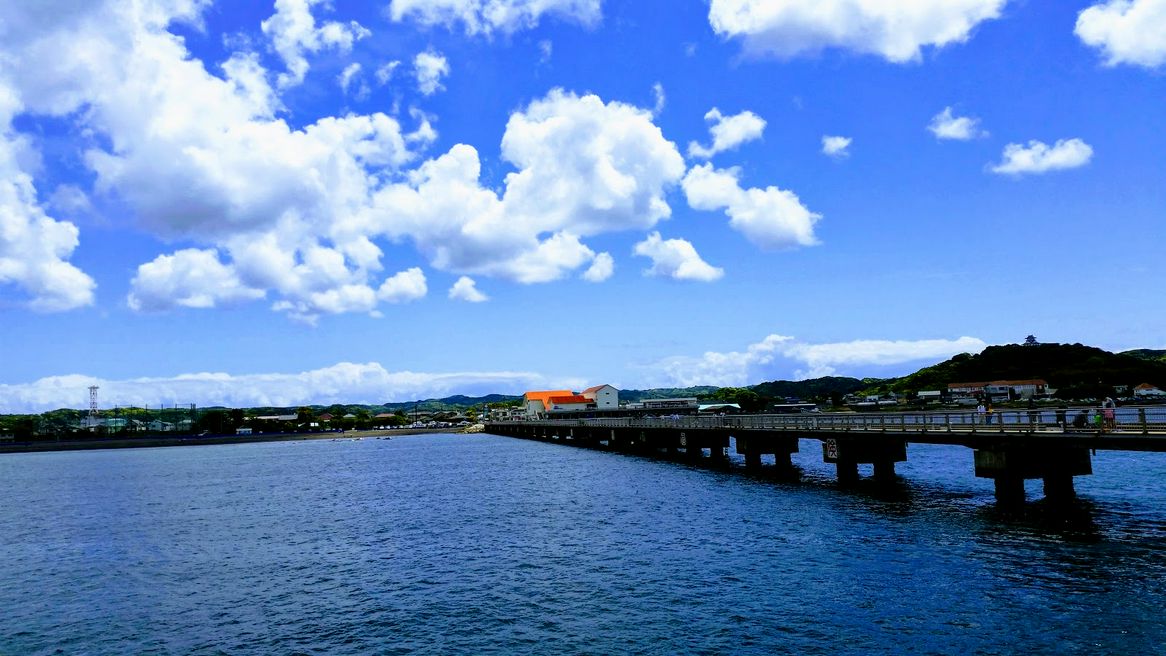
815,388
1157,355
635,396
1073,369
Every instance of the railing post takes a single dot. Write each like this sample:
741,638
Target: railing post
1142,421
947,421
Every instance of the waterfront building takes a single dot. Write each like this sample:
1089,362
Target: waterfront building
537,403
605,397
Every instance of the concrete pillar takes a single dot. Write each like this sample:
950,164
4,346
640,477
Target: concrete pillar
884,470
753,461
847,472
1059,487
1009,490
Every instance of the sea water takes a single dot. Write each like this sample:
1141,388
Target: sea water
476,544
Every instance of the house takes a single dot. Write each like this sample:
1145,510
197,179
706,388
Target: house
1148,391
999,390
605,397
927,396
159,426
243,431
538,403
570,403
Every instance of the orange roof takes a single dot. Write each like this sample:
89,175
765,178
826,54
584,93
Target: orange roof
1145,386
570,398
544,396
594,389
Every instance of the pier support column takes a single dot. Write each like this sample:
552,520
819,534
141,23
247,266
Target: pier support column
753,461
1009,490
1009,466
884,470
1059,488
847,472
849,452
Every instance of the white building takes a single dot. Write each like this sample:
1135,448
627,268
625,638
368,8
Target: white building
1148,391
605,397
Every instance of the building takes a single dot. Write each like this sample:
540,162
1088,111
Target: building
1148,391
605,397
570,403
538,403
999,390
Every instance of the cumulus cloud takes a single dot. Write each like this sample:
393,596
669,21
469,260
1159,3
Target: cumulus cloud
429,68
894,30
345,382
1039,157
189,278
784,357
676,259
1126,31
946,125
772,218
408,285
836,147
488,16
602,267
465,289
584,167
299,215
728,132
384,72
34,247
294,34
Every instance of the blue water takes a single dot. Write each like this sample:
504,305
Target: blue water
477,544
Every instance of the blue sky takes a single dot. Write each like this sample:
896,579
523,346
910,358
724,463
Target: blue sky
312,202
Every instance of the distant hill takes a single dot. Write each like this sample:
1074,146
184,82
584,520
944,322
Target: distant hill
635,396
815,388
1073,369
1156,355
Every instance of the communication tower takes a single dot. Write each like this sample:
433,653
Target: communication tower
91,421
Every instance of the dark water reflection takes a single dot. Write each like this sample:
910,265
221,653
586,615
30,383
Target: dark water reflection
481,544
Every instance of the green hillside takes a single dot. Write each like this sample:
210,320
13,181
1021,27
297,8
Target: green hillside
1074,370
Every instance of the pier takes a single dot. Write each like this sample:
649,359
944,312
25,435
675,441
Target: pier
1008,447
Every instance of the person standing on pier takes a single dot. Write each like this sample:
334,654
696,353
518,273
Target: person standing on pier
1109,411
980,410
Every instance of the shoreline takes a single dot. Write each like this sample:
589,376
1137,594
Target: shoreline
155,441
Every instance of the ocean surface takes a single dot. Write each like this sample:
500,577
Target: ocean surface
475,544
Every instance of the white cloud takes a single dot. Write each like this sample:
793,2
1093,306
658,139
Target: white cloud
345,382
661,99
893,29
429,68
584,167
783,357
546,48
676,259
189,278
836,147
602,267
293,33
384,72
487,16
772,218
34,248
408,285
1039,157
728,132
300,215
465,289
1126,31
946,125
346,76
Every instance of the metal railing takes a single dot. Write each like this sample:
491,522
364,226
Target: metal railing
1127,419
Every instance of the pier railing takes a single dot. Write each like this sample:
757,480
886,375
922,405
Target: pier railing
1145,420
